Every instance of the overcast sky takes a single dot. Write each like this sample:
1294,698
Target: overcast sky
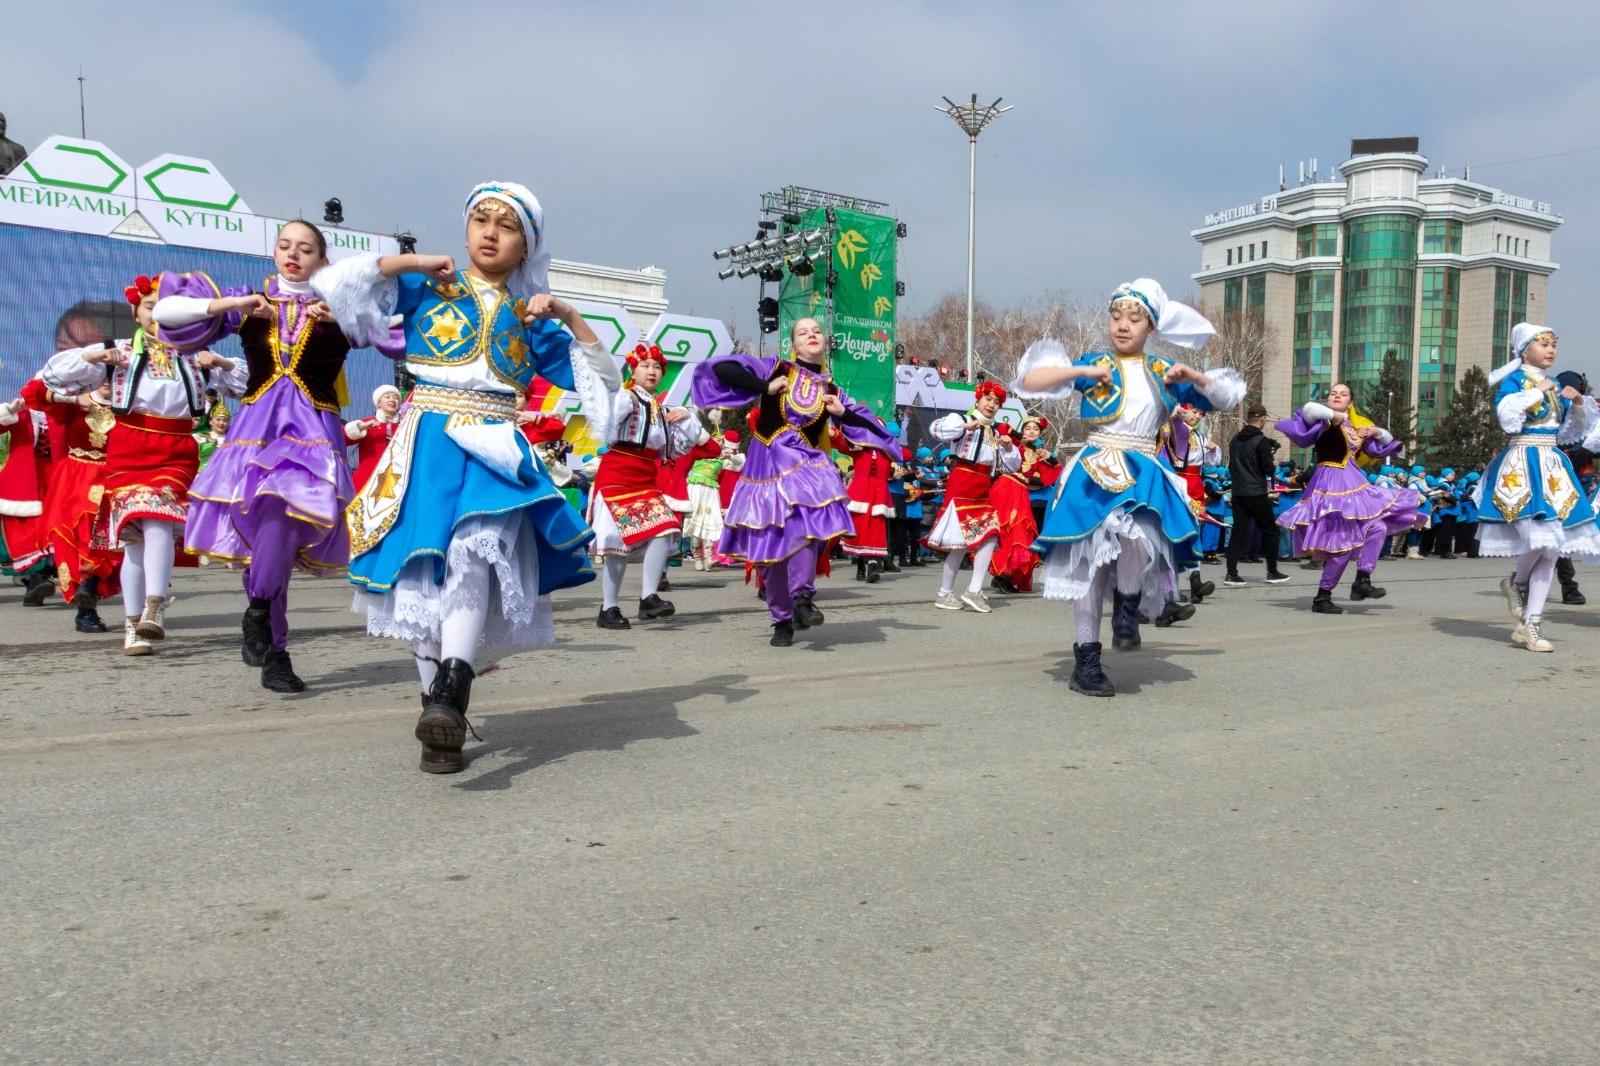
649,130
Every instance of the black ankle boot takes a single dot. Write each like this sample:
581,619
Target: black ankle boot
1199,589
1322,603
88,621
40,585
443,725
806,614
1572,597
782,634
88,595
874,569
1125,621
1087,675
1174,612
1363,588
277,673
888,565
257,632
861,569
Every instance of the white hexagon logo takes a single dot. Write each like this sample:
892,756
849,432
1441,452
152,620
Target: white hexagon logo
184,181
68,163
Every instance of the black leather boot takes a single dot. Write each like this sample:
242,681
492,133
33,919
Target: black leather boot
257,628
806,614
1363,588
443,725
86,599
1199,589
1571,596
888,565
782,634
653,606
861,569
1087,675
874,570
40,585
1174,612
277,673
1125,621
1322,602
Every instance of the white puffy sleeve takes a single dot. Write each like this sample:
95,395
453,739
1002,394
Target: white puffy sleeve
950,427
231,380
361,298
70,373
1316,412
1575,426
1042,354
683,437
619,406
734,462
596,380
1008,459
1226,389
1513,408
174,311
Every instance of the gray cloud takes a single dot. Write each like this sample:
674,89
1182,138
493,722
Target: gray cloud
649,130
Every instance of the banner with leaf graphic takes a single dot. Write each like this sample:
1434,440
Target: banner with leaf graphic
863,304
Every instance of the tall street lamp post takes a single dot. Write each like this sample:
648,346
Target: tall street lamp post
972,117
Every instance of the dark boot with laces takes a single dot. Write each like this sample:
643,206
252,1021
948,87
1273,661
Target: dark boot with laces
1174,612
806,614
1199,588
257,628
782,634
1363,588
1088,677
277,673
1125,621
443,725
1322,603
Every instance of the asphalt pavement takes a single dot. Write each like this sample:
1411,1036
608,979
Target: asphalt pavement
1289,838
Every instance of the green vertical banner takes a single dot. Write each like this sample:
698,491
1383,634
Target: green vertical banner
863,304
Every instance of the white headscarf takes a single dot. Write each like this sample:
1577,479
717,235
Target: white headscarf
1175,323
532,275
1522,335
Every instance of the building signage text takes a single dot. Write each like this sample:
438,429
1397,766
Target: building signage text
1267,204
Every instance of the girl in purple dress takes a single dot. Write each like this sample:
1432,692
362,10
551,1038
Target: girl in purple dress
273,496
790,500
1340,516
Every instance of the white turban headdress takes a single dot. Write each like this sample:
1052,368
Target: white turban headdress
1174,322
1522,335
532,275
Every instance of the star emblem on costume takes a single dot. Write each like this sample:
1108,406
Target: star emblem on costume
517,351
386,481
446,326
1512,480
1553,485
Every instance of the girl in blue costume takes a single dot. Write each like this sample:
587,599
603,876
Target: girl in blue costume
1116,507
1532,505
459,536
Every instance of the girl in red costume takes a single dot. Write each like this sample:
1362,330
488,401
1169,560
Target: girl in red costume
372,435
1014,562
627,509
870,505
967,522
22,539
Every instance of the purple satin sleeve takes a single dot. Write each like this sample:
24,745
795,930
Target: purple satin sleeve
1378,451
1300,431
197,335
707,390
874,434
391,344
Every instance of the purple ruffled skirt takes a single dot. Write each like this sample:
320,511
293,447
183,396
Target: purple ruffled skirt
1340,510
280,445
788,494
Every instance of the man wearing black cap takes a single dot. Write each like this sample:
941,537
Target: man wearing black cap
1250,464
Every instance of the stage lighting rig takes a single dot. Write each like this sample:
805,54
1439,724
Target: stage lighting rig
333,212
767,314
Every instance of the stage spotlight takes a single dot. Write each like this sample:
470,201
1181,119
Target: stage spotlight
767,314
724,275
722,253
816,235
816,253
407,242
832,278
801,267
746,270
767,224
333,212
793,239
791,219
944,371
900,230
771,272
899,288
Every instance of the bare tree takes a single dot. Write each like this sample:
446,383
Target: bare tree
1242,343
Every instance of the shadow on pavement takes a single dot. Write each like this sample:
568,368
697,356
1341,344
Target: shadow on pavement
867,631
605,722
1498,632
1131,671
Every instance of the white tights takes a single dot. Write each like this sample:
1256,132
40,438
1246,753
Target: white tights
655,565
1536,570
146,562
466,609
980,567
1087,612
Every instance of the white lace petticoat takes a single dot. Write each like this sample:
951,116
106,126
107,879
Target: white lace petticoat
1070,567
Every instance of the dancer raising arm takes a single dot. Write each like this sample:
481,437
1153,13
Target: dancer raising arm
968,522
1341,517
1533,507
1120,517
460,536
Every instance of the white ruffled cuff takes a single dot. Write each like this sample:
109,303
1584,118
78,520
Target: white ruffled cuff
1384,436
596,379
948,428
1227,389
1580,416
358,294
1316,412
1042,354
1512,410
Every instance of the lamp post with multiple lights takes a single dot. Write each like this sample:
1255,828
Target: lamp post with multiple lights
972,118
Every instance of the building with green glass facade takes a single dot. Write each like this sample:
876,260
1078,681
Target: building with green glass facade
1378,261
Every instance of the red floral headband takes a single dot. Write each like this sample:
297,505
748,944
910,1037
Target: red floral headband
1038,420
990,388
646,353
141,287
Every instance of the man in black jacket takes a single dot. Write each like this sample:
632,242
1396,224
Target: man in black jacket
1250,465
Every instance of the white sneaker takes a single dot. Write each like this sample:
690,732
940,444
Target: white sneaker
699,563
1516,597
152,623
1413,553
947,601
132,642
976,601
1528,635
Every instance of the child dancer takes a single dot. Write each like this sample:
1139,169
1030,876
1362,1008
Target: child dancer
157,391
627,509
460,536
1119,516
703,527
1341,517
371,436
870,506
1014,563
790,500
1533,507
967,522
